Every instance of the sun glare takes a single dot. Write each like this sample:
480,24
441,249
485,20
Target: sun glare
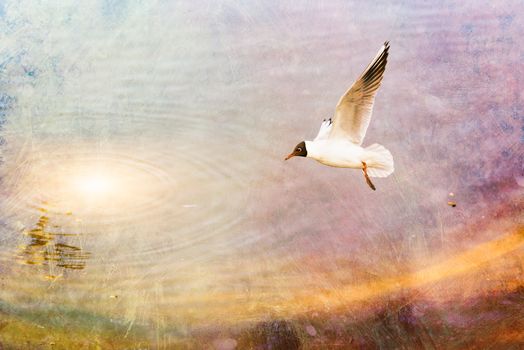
95,185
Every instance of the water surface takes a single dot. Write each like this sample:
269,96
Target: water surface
144,196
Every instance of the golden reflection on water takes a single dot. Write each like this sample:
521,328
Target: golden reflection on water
51,248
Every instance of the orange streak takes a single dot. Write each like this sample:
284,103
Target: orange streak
452,267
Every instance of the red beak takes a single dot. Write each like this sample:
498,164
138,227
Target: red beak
291,155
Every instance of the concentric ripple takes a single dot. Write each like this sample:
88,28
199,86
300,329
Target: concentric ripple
146,212
105,188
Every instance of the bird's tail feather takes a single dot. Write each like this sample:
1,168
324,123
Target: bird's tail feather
379,161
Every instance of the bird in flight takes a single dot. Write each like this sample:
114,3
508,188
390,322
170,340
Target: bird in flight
339,140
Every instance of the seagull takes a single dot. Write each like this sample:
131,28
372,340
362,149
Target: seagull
339,140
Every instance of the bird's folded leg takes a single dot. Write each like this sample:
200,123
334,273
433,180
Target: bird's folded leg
368,180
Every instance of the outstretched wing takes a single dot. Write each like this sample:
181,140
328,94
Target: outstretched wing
325,128
353,112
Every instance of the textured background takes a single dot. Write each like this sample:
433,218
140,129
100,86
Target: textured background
204,236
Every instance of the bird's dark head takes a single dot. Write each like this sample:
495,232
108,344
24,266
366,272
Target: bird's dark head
299,151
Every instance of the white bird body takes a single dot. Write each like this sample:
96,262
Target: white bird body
338,143
336,153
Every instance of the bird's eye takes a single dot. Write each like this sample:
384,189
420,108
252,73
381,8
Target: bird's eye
299,149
